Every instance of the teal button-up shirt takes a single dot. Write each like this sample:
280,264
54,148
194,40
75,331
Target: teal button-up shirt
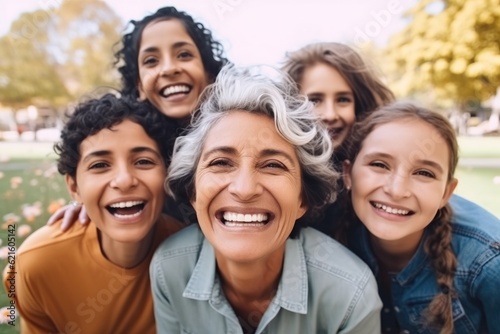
324,288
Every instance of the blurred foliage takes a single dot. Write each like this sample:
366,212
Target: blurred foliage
450,51
55,55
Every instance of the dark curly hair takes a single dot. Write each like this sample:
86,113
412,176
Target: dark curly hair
211,51
94,115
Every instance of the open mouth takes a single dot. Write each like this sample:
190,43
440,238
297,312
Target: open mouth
127,209
334,132
233,219
175,90
394,211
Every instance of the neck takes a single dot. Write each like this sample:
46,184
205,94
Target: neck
394,255
250,287
124,254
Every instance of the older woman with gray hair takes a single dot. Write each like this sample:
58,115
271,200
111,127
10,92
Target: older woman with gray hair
255,167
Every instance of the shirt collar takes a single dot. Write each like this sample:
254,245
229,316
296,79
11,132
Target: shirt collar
292,289
417,263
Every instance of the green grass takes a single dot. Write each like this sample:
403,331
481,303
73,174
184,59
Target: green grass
477,185
27,189
481,185
479,147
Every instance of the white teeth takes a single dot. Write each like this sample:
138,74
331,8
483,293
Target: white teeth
232,217
128,204
233,224
175,89
391,210
127,216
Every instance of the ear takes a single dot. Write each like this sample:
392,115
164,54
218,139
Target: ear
346,173
72,188
450,188
302,209
142,94
192,200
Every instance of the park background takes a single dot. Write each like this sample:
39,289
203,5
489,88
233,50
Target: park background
443,53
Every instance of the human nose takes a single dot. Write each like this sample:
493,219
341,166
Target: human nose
169,67
329,112
396,185
123,179
244,184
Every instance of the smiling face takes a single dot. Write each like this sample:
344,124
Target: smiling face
119,180
332,97
247,188
399,179
171,72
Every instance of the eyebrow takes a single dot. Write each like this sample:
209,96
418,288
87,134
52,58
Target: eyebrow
176,45
103,153
263,154
314,93
425,162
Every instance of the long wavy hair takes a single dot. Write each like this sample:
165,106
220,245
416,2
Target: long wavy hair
368,89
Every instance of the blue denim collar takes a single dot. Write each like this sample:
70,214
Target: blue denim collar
292,293
418,262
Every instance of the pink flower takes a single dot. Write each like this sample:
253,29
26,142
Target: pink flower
32,211
4,252
23,230
15,182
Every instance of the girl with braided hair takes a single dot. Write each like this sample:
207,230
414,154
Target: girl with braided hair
435,274
345,87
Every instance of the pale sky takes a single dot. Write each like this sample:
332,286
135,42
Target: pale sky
261,31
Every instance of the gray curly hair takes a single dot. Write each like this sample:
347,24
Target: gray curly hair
251,89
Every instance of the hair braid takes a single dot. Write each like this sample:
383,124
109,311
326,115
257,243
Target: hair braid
438,247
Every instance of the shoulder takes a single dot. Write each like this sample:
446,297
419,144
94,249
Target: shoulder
176,258
51,237
471,221
470,214
331,258
47,252
187,241
476,236
168,225
338,279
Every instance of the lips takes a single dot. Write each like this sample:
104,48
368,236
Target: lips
392,210
126,209
175,89
334,132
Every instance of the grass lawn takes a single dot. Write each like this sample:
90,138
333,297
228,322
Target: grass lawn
31,188
479,147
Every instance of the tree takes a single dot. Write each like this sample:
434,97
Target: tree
57,55
27,72
87,32
450,49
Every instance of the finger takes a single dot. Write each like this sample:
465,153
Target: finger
83,217
70,216
58,214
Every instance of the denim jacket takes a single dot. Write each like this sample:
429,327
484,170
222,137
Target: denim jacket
476,243
324,288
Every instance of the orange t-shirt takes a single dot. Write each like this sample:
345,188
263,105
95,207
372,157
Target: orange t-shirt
64,284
